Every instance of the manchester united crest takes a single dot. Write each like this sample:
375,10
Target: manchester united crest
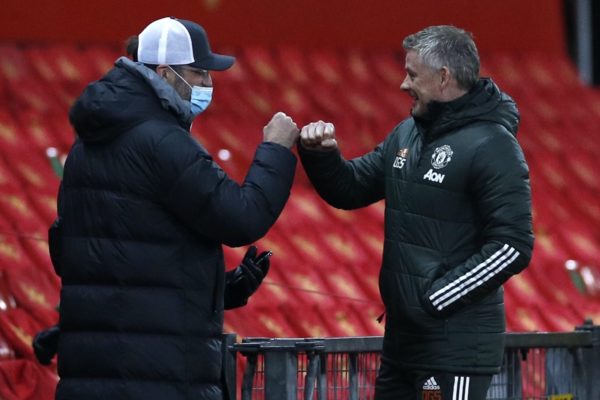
441,156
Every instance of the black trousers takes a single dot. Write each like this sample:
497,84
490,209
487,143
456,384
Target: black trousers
400,384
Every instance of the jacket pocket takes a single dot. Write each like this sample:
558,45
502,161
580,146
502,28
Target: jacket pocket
55,244
402,295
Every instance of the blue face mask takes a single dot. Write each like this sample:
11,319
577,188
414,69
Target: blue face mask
201,96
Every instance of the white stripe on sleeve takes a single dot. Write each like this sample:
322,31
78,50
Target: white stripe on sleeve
475,282
454,390
474,278
468,274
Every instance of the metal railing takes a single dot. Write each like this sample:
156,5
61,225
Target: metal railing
557,366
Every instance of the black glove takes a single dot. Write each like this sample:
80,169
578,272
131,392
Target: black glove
243,281
45,344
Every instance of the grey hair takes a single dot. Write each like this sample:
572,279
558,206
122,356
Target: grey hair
448,46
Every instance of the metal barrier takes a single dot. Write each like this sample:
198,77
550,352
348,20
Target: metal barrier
536,366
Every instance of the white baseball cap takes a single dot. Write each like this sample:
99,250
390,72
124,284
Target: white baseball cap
175,41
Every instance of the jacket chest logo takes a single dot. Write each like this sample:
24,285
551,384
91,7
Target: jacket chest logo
439,159
400,160
441,156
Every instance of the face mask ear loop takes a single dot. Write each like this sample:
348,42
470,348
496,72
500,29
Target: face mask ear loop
180,77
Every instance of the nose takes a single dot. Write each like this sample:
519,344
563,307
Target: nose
207,80
405,84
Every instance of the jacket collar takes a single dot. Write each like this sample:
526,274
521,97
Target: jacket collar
168,97
483,102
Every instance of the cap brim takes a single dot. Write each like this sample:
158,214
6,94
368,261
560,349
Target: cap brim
215,62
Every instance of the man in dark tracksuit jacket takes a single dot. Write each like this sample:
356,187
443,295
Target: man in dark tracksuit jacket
143,213
457,219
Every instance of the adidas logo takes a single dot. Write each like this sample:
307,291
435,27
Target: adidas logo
431,384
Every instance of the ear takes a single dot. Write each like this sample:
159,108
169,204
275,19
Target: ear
445,76
161,71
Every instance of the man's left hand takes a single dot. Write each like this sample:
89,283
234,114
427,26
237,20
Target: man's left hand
243,281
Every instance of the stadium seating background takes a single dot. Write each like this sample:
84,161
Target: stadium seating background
323,281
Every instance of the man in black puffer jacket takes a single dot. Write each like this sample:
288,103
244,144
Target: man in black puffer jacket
457,221
143,213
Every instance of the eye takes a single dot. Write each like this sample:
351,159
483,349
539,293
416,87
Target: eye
199,72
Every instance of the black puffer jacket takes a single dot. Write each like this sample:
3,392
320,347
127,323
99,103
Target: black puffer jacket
457,226
143,212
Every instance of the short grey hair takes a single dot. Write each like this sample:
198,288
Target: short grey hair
448,46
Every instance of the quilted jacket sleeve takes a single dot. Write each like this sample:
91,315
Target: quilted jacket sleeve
201,194
345,184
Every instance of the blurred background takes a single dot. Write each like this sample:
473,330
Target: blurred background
336,60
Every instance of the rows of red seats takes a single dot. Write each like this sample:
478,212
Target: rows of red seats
323,280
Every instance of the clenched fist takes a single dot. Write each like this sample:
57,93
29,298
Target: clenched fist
318,136
282,130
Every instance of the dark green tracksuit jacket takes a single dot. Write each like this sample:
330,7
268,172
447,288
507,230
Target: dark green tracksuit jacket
457,226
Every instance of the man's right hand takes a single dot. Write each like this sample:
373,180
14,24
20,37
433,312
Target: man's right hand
282,130
318,136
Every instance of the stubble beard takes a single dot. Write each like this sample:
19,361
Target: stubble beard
184,91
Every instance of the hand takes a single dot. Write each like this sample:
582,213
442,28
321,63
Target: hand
282,130
45,344
253,271
318,136
243,281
